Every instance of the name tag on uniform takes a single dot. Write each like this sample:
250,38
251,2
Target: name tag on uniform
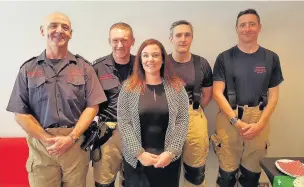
106,76
36,73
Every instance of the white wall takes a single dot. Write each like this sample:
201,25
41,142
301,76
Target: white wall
214,32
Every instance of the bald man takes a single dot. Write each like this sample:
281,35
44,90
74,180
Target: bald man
55,98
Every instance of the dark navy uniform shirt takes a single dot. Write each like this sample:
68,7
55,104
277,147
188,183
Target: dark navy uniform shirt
111,81
55,95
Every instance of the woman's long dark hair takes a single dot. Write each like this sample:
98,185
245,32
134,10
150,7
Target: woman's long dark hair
137,79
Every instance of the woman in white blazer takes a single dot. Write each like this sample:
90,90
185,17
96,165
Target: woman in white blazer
152,119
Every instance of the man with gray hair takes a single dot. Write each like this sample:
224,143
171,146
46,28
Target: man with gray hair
55,98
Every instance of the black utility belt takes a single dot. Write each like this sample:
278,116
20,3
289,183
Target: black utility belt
56,125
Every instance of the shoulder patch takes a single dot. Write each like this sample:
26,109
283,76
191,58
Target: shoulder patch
99,60
78,56
28,61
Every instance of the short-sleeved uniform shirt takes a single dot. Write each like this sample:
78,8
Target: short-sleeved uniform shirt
249,71
55,92
186,72
111,76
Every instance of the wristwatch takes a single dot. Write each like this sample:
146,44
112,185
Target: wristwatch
233,120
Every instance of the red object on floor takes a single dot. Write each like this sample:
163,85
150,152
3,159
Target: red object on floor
13,156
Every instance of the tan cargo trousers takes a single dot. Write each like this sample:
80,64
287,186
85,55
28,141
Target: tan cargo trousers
106,169
67,170
196,149
232,150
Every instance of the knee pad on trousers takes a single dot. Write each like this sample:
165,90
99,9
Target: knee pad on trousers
195,175
249,178
227,179
105,185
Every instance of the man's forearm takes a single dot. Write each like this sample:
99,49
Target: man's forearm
206,101
84,121
270,107
31,126
206,96
224,104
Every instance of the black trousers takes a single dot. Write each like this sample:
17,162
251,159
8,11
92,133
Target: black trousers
148,176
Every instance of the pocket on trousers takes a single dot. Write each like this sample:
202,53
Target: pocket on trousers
267,145
216,143
261,151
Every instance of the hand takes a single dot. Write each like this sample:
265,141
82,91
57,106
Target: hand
251,130
44,140
147,159
59,145
164,160
240,125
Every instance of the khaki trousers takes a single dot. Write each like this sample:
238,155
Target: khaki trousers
232,150
106,169
67,170
196,147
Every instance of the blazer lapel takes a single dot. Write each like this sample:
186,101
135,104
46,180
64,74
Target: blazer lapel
169,91
133,103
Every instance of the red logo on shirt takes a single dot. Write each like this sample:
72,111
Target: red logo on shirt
106,76
260,69
36,73
75,71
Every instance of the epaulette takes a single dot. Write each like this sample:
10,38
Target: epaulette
28,61
99,60
78,56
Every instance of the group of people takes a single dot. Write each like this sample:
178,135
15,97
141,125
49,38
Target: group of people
155,102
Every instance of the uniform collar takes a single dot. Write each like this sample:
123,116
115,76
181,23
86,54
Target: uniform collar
111,62
70,58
